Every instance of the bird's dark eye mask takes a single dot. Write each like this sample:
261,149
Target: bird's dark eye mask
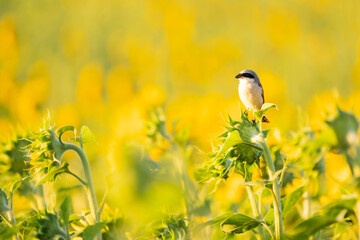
247,75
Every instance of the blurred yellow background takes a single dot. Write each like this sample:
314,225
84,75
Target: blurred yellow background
79,58
105,64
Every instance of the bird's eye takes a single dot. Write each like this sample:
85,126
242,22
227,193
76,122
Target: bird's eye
247,75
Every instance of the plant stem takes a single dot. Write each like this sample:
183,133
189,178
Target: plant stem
307,204
255,209
357,214
277,215
268,229
78,178
89,183
180,163
11,215
6,219
275,186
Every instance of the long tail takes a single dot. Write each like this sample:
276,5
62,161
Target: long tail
264,119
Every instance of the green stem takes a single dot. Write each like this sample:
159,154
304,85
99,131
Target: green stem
88,178
78,178
307,204
255,209
180,163
268,229
357,214
12,215
6,219
275,186
277,215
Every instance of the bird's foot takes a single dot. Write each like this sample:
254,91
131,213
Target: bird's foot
254,122
246,112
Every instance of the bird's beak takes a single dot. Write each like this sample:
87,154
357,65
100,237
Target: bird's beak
238,76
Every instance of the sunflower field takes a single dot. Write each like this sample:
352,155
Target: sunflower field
122,120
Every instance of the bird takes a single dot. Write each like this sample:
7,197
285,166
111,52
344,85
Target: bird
251,91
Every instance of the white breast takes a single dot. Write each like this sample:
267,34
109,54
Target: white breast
251,94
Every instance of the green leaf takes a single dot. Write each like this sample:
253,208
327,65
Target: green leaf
62,130
265,107
245,153
329,215
15,186
3,202
266,132
290,200
213,221
91,231
53,172
48,227
65,210
239,223
249,133
86,135
311,226
334,209
232,140
345,126
287,204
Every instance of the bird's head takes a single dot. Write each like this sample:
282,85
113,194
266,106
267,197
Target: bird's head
248,75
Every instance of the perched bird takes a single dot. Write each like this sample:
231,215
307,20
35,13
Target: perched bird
251,91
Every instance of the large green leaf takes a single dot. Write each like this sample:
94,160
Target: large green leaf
86,136
245,153
232,140
239,223
287,204
311,226
53,172
65,210
290,200
91,231
329,215
214,221
48,227
344,124
3,202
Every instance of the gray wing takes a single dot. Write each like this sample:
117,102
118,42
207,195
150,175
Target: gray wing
262,92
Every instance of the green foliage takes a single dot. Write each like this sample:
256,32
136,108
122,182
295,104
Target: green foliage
329,215
238,146
240,149
345,126
91,231
64,212
155,126
53,171
288,203
174,228
17,159
3,203
265,107
62,130
86,136
48,227
290,200
239,223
